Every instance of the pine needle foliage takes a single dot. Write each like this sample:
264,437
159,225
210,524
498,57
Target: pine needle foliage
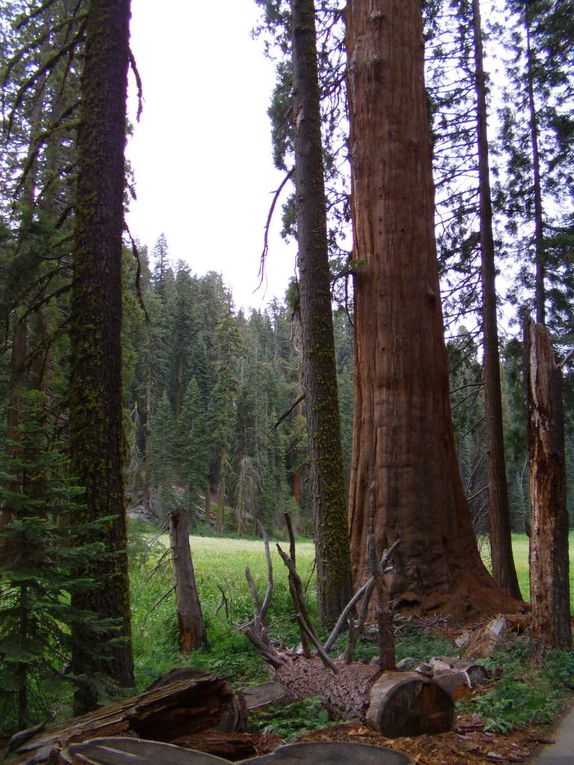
38,559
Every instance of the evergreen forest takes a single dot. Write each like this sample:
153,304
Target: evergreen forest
410,397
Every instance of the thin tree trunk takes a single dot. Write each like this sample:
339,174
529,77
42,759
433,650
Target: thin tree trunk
502,558
549,574
403,436
97,438
540,259
319,369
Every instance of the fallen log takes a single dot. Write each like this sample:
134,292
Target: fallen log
121,751
393,703
163,713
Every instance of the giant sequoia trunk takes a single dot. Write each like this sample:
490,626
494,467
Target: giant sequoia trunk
403,437
319,370
503,568
96,321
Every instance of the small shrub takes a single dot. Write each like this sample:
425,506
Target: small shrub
524,695
290,720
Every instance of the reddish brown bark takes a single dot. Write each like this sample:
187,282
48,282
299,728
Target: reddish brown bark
394,703
549,578
403,437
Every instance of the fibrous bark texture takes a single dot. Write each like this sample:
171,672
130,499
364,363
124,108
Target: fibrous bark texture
503,568
403,437
96,381
394,703
549,578
319,369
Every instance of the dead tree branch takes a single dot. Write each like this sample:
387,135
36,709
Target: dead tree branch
288,412
276,195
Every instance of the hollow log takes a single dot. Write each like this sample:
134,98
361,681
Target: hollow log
162,713
409,704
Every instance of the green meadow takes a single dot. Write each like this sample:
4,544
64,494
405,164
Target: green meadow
220,573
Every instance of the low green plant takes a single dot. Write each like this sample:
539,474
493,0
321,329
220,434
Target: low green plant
290,720
524,695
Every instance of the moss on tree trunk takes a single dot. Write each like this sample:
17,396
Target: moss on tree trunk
96,380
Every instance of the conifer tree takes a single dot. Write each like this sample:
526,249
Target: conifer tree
96,418
36,574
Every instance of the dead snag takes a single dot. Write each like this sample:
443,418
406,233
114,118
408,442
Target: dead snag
189,615
549,583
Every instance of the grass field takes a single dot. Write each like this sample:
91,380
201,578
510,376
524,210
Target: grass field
220,573
520,549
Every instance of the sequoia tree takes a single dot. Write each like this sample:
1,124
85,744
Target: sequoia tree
97,439
319,368
403,437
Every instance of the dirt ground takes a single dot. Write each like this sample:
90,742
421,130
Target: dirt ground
468,744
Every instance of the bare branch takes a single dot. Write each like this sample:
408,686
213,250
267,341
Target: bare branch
138,283
276,196
269,590
288,412
222,602
139,85
384,611
366,590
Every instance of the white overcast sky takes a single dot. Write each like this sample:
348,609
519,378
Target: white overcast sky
201,153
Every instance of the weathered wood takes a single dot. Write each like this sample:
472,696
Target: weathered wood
124,751
260,696
332,754
189,615
408,704
163,713
231,746
120,751
549,583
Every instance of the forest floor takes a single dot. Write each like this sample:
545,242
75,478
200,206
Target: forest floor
467,744
510,719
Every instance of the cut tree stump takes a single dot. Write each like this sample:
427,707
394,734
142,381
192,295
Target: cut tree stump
125,751
408,704
163,713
